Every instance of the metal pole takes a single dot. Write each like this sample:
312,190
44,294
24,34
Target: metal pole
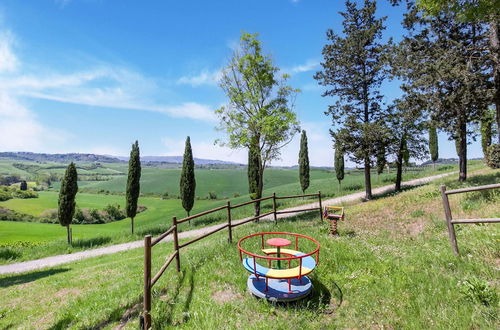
229,222
447,213
274,208
176,244
147,282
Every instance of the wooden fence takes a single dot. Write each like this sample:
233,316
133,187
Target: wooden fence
447,211
149,242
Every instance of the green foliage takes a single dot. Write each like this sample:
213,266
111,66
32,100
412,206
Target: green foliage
353,69
133,183
260,110
339,162
467,10
212,195
25,194
433,143
23,186
381,161
67,193
254,177
7,180
188,181
406,152
304,162
5,195
493,159
478,291
487,131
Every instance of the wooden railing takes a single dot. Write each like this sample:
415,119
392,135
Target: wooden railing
149,242
449,219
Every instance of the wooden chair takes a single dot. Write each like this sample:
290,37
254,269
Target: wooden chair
334,214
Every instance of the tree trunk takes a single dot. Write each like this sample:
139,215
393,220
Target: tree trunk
260,188
399,168
68,230
495,52
368,182
132,223
462,152
340,186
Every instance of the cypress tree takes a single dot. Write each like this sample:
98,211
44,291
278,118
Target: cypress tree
486,131
339,163
433,145
23,186
188,182
66,203
304,163
133,183
253,175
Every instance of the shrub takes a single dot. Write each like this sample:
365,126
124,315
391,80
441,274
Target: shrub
5,195
114,212
212,195
476,290
25,194
493,157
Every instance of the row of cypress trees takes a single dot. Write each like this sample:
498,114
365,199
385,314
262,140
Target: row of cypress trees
69,188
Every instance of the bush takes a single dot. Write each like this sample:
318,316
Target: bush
114,212
212,195
493,156
478,291
5,195
25,194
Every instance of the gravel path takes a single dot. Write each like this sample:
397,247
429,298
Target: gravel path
25,266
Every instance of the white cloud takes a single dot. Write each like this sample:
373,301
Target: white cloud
8,61
205,77
308,66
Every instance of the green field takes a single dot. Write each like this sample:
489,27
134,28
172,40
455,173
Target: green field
25,241
391,267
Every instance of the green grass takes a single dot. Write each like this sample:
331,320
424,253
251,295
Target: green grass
27,241
391,267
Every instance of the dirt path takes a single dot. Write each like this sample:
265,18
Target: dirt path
25,266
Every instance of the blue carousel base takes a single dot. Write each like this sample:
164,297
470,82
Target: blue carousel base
278,289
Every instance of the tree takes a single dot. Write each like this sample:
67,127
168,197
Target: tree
447,64
254,173
353,68
381,160
23,185
339,163
486,131
133,183
481,11
66,203
304,163
433,145
260,114
188,182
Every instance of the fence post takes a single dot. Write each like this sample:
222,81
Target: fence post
176,244
447,213
274,209
229,222
320,206
147,282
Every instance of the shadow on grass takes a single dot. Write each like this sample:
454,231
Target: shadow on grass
62,324
91,242
394,193
30,277
8,254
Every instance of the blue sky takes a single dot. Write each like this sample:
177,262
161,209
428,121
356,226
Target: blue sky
95,75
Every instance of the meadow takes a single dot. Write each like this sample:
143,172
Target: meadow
391,267
28,240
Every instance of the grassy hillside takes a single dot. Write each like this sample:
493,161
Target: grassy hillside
391,267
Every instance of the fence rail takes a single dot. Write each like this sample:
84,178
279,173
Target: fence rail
449,218
149,242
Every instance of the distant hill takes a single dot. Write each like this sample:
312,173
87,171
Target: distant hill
86,158
58,158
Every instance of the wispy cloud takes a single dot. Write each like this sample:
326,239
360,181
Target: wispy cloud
205,77
8,61
308,66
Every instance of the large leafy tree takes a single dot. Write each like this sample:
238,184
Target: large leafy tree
479,11
66,203
259,115
447,68
188,182
353,70
303,163
133,183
